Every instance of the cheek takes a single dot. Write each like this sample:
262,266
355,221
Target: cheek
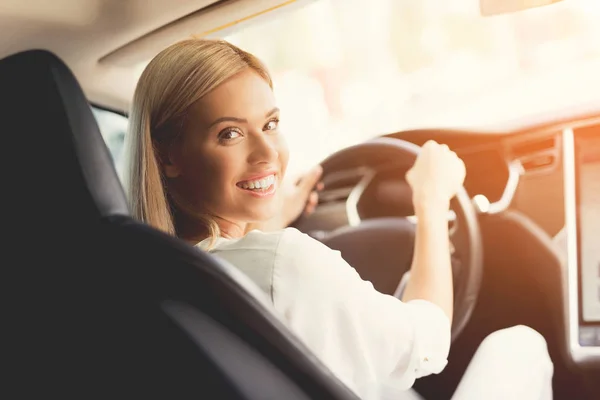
216,172
284,153
203,172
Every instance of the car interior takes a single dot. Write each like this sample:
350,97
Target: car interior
103,305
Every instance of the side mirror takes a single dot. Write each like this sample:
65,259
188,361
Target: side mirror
490,8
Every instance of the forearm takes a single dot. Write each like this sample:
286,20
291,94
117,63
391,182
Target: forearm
431,270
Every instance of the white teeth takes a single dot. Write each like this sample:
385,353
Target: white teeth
259,184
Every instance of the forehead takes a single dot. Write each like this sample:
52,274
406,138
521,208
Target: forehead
245,95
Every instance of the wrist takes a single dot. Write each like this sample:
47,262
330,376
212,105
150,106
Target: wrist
435,206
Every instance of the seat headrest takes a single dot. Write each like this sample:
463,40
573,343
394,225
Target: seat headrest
57,158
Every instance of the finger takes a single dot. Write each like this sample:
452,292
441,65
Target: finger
320,186
313,198
430,143
311,203
463,167
309,181
409,174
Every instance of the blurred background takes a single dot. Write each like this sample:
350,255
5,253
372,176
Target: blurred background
345,72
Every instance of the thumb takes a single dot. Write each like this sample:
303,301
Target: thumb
309,181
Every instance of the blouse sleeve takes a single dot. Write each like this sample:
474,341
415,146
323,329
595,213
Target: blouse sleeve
368,339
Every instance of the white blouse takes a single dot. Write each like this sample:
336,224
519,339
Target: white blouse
369,340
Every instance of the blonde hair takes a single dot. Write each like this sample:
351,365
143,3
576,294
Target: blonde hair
175,79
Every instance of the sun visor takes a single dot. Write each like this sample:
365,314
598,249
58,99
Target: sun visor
215,20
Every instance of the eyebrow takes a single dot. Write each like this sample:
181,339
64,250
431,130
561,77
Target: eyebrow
240,120
273,111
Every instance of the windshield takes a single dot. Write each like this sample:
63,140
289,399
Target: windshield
348,70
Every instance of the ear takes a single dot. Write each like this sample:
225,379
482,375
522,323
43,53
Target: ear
171,170
168,160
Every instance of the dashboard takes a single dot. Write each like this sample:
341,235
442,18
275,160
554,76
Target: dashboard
549,174
559,189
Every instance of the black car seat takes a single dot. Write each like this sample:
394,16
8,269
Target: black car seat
101,306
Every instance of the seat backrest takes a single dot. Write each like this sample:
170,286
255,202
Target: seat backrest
106,306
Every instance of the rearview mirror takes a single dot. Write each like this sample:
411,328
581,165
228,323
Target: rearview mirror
496,7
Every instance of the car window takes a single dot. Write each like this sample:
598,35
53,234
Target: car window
348,70
113,127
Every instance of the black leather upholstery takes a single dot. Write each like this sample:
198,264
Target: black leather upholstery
56,134
383,242
103,306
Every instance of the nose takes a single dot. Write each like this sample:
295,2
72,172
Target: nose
264,149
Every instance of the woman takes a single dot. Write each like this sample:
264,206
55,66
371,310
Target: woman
206,164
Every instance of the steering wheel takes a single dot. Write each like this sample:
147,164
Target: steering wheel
384,246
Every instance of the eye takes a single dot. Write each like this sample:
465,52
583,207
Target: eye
229,134
272,124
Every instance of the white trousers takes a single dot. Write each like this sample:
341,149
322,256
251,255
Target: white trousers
510,364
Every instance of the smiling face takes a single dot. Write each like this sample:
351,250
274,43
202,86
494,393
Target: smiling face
230,158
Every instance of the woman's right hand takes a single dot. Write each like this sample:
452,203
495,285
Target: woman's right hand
436,176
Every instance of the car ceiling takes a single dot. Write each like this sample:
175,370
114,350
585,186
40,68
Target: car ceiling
96,38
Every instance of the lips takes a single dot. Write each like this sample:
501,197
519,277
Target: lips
260,183
261,187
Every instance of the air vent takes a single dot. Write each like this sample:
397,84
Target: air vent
536,155
537,162
528,148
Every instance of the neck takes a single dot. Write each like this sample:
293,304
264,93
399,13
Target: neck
193,230
230,229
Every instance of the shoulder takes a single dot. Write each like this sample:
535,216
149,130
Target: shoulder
288,239
301,244
305,265
254,240
254,254
301,254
